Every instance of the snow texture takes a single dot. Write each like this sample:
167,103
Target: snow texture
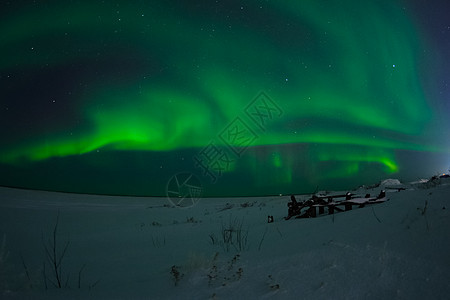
142,248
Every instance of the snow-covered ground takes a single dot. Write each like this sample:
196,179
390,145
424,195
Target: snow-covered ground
141,248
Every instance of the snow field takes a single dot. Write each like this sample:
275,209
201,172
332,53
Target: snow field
141,248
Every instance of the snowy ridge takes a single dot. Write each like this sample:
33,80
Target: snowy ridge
141,248
390,182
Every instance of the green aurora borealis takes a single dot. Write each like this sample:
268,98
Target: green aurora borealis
117,97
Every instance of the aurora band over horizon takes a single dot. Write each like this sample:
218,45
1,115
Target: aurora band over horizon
163,78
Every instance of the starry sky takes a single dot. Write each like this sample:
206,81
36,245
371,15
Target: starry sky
251,97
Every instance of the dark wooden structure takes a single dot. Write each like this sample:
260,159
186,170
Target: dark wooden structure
320,205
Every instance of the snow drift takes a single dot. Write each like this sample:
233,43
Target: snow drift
142,248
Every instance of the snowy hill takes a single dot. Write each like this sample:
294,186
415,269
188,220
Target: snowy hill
142,248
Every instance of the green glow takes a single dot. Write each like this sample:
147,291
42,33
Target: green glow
359,155
348,169
344,72
277,160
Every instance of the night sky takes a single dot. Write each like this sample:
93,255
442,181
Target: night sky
252,97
